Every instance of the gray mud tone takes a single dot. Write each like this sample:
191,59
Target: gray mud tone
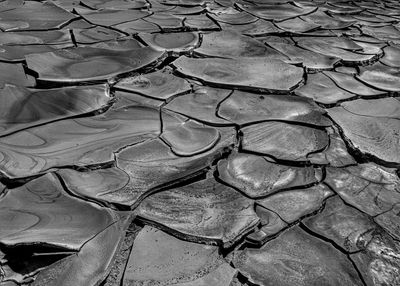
199,143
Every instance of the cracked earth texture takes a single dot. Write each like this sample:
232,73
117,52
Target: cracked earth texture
199,143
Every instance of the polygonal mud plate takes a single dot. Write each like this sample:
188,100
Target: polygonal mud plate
377,136
231,44
110,17
277,13
88,64
257,177
23,108
245,107
246,73
142,169
202,104
204,211
89,141
322,89
34,16
296,258
283,141
172,42
89,266
311,60
14,74
345,225
160,259
381,77
160,84
42,213
294,204
368,187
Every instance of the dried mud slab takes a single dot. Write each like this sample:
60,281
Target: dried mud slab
231,44
95,35
160,259
245,107
381,77
100,185
16,54
350,84
123,44
233,17
296,258
326,21
34,16
59,38
222,276
390,221
89,266
201,104
166,21
200,23
89,64
110,17
384,33
15,74
10,4
172,42
336,154
322,89
379,108
115,4
204,211
125,99
141,170
311,60
160,84
345,225
187,137
138,26
258,28
391,57
367,187
283,141
257,177
379,263
22,108
41,213
297,25
372,135
270,225
294,204
338,47
276,12
88,141
248,73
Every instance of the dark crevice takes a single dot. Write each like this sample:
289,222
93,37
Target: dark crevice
73,39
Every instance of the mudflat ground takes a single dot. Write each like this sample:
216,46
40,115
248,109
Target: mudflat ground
199,143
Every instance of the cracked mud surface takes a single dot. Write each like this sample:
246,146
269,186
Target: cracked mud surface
199,143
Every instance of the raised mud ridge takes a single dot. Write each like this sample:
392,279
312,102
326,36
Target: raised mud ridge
199,143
